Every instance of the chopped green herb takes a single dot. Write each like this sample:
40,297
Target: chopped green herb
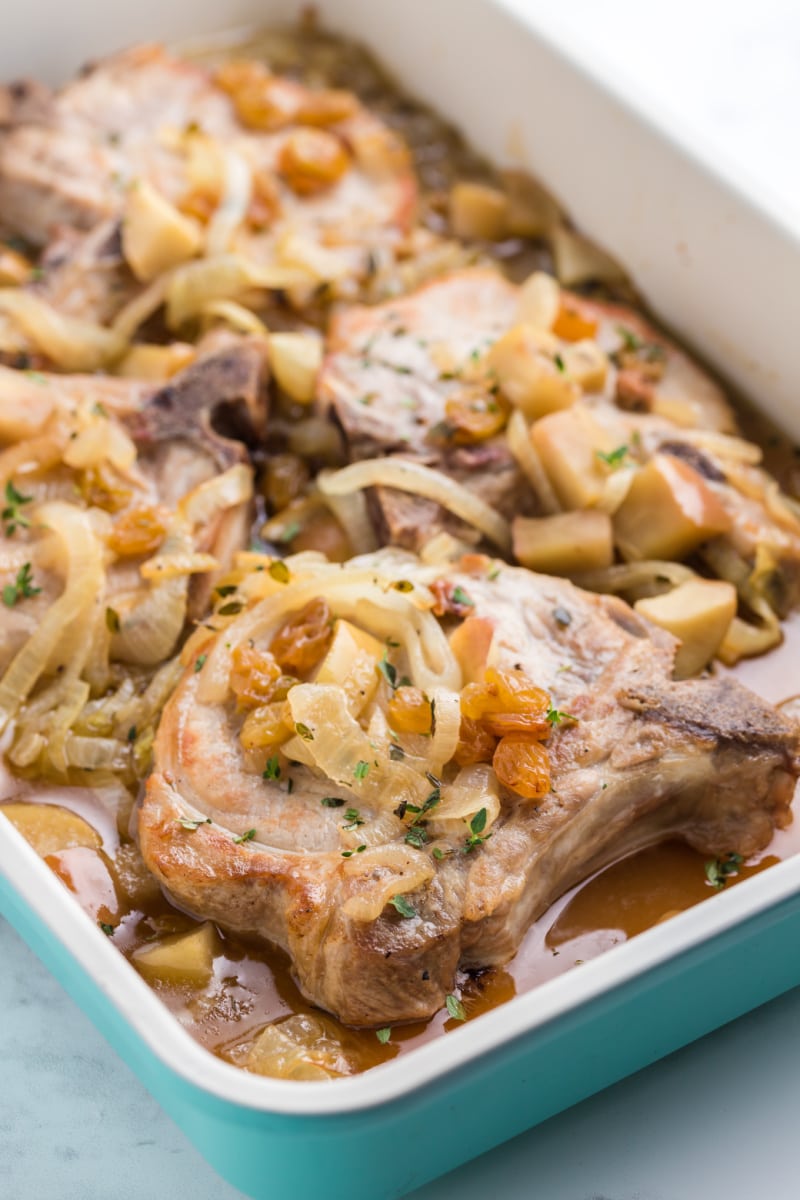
433,799
21,587
560,364
614,458
112,620
290,786
290,532
476,836
555,716
403,907
332,802
562,617
718,869
226,589
358,850
272,769
231,608
455,1008
279,571
108,930
304,732
438,852
383,1035
100,410
192,824
391,643
245,837
354,819
198,662
132,734
417,836
388,671
361,769
630,340
493,574
462,597
403,585
11,513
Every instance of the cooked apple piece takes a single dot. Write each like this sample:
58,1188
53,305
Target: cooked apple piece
155,235
89,875
470,642
182,958
134,879
50,828
699,613
569,445
530,372
352,662
295,359
478,211
565,543
669,511
146,361
587,364
539,300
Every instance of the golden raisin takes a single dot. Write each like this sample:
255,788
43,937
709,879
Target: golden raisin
473,416
311,160
571,325
261,100
285,477
138,531
15,268
324,533
266,726
199,203
254,675
451,599
327,107
530,725
523,766
475,743
101,487
302,642
409,711
503,692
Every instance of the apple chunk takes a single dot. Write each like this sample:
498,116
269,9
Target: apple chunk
182,958
669,511
699,613
50,828
564,543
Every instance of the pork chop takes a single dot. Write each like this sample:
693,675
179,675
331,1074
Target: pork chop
376,859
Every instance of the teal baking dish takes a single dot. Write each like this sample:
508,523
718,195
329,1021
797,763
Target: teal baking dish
543,1051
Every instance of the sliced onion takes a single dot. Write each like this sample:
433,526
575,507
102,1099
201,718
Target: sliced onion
474,788
446,707
170,566
225,277
70,342
352,514
524,451
206,501
382,873
236,315
409,476
623,577
237,189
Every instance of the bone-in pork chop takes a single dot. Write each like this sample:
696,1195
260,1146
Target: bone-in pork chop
381,837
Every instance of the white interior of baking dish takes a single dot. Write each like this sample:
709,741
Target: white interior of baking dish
719,266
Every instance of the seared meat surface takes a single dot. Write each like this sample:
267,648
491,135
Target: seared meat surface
634,757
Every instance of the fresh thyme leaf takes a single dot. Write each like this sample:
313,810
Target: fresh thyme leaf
245,837
560,364
191,823
354,819
403,585
108,930
361,769
112,620
388,671
392,644
21,587
431,802
476,836
613,458
403,907
437,852
272,769
383,1035
555,716
231,608
132,734
718,869
304,732
478,822
11,513
630,340
279,571
290,532
462,597
455,1008
332,802
226,589
198,662
416,836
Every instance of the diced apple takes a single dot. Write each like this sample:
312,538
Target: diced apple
669,510
587,364
478,211
155,235
182,958
351,663
295,359
470,642
145,361
699,613
539,300
524,361
565,543
569,445
50,828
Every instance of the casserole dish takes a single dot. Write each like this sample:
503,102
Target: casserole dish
564,1041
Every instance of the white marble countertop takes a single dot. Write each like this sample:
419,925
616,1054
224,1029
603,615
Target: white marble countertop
720,1116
